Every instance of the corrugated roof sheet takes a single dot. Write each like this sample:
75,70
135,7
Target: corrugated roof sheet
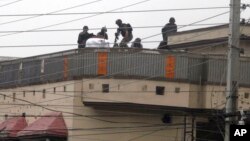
50,124
12,126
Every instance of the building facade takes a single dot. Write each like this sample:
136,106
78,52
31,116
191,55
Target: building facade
123,94
210,40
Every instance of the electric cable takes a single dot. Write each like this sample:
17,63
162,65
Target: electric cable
10,3
111,28
9,96
114,12
188,24
53,12
65,22
123,84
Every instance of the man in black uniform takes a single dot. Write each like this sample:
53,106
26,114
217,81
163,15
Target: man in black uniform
169,28
137,43
126,31
103,34
83,37
163,45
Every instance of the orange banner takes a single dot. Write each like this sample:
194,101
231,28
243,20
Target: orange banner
102,63
170,66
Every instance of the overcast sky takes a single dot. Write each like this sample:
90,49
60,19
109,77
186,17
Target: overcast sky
96,21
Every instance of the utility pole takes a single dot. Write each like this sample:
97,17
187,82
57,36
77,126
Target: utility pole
232,66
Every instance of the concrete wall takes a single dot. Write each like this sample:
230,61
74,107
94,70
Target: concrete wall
215,97
59,100
196,36
137,91
111,123
220,49
96,124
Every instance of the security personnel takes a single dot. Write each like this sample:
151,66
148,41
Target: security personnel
169,28
126,31
83,37
103,33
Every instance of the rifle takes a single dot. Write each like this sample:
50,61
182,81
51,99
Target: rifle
115,42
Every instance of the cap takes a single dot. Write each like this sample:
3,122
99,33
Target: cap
118,21
104,29
138,40
172,20
85,27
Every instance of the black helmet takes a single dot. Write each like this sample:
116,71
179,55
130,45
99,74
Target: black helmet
85,28
118,21
172,20
138,40
104,29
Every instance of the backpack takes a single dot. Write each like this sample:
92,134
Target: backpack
130,29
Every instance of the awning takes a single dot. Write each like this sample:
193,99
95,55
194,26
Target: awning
49,125
12,126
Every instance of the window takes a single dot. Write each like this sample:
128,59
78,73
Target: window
246,95
44,93
64,88
144,88
160,90
177,90
105,88
4,97
23,93
166,118
34,93
91,86
54,89
14,97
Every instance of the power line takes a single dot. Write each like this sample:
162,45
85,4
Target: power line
127,83
126,91
32,17
123,84
74,69
50,108
10,3
141,136
70,69
52,25
111,28
57,86
57,45
65,112
116,12
38,45
187,25
108,128
111,43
